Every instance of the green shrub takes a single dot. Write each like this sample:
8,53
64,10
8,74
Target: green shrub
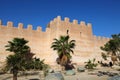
90,64
104,56
37,64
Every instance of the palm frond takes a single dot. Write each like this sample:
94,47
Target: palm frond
63,46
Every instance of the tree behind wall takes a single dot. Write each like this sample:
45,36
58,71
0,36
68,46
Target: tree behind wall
112,47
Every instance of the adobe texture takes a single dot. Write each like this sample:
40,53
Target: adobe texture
87,45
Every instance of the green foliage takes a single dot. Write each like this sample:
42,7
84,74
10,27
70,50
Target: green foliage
18,46
16,61
36,64
90,64
113,45
63,46
104,56
45,69
22,58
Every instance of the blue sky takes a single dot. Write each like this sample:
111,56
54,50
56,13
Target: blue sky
103,14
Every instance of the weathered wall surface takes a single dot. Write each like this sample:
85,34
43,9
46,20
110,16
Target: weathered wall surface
87,45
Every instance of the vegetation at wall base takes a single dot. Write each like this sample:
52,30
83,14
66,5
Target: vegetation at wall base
22,59
90,64
112,47
64,47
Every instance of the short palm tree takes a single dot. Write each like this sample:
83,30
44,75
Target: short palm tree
16,61
63,47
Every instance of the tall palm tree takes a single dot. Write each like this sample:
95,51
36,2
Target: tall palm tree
16,61
63,47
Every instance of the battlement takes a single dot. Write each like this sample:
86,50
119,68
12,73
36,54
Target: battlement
55,20
101,38
9,24
40,41
67,20
20,26
0,22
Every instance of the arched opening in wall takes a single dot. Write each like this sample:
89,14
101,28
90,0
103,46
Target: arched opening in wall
67,31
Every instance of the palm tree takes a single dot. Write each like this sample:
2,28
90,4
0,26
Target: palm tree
18,46
63,47
17,61
14,63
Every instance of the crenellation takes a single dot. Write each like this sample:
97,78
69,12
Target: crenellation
66,19
75,21
108,39
39,28
55,19
102,38
58,18
51,22
99,37
39,40
9,24
94,36
82,23
20,26
29,27
89,25
47,29
105,38
0,22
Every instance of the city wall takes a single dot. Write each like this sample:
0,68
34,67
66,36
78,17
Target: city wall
87,44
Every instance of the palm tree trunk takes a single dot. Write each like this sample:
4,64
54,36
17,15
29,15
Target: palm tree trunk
15,75
114,59
63,60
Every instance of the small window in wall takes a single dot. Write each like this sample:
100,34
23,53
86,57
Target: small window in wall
80,33
67,31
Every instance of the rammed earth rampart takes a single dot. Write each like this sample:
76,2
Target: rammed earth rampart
87,44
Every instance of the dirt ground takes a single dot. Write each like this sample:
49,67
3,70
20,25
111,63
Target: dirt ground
87,75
